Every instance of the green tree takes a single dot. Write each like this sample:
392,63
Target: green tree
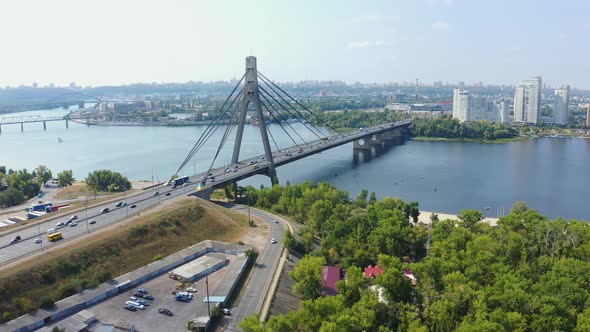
470,217
43,174
65,178
106,180
308,277
11,197
373,198
252,324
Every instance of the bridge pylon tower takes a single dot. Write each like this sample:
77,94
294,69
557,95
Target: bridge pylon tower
251,94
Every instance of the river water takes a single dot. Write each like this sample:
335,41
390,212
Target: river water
550,175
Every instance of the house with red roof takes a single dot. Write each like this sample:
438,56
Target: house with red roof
373,271
332,274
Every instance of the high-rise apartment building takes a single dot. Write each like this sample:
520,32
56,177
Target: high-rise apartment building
467,107
588,116
460,104
527,101
561,104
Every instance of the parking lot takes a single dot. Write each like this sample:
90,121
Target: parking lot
161,289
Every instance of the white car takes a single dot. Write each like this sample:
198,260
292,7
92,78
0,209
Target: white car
74,217
37,240
273,240
191,290
276,221
74,224
60,224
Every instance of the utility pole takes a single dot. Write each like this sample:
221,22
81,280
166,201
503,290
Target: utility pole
208,299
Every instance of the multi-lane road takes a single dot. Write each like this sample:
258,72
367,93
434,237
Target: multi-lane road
149,198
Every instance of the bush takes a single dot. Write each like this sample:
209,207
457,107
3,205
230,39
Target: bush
6,316
158,257
46,303
102,276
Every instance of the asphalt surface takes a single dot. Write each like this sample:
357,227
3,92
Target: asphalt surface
255,290
148,198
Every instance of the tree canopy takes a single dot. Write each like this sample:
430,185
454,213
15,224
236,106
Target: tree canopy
528,273
106,180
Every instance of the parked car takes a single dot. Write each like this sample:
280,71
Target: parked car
143,303
130,307
15,239
166,312
273,240
138,294
148,297
191,290
143,291
226,312
134,299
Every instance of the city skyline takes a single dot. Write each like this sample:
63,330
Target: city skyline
112,43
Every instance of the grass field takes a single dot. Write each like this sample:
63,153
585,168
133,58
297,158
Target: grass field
114,252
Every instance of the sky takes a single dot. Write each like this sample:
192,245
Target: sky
112,42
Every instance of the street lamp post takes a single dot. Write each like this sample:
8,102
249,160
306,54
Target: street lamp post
208,299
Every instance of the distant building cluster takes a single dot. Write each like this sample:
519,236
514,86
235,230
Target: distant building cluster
468,107
526,105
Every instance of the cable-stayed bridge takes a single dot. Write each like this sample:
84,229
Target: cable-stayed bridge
257,93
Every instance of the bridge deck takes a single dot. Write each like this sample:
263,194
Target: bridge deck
245,169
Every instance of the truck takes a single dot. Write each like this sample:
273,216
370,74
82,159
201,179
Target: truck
40,206
54,208
34,214
178,181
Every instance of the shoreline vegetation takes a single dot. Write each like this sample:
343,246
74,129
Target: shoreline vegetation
471,140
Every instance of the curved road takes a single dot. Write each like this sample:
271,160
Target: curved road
255,291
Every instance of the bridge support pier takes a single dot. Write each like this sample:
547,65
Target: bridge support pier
44,125
362,143
0,129
22,127
67,124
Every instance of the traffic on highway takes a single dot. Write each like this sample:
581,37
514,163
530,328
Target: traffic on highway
25,241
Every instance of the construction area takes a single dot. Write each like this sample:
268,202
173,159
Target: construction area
208,267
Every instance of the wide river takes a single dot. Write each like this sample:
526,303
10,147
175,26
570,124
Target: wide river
551,175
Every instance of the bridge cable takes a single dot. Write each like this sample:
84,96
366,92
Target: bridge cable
208,130
279,113
279,122
302,120
264,78
227,133
303,117
211,132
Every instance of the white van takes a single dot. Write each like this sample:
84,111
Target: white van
135,304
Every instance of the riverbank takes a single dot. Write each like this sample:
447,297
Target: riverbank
496,141
424,217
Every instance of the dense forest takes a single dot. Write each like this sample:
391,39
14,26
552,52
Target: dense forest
528,273
448,127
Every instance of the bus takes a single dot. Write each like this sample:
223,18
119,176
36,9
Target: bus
179,181
54,236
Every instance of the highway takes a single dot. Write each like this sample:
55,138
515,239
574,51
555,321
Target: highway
149,198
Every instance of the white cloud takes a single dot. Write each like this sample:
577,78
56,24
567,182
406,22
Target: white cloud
365,44
440,25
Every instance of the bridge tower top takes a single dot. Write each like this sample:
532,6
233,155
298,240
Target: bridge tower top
251,94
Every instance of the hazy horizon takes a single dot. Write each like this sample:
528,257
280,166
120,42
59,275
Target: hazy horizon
98,43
